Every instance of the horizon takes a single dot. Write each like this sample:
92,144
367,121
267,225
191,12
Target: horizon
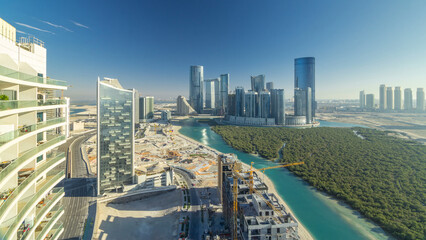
149,45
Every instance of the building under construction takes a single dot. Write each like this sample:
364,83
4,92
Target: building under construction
258,214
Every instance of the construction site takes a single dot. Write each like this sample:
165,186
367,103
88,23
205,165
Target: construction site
250,212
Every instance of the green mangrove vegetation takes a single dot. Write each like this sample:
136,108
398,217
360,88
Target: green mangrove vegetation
381,176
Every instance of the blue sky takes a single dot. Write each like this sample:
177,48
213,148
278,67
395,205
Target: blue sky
149,45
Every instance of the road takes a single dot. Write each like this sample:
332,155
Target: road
196,227
79,189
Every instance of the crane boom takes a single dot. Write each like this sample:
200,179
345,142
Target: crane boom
281,166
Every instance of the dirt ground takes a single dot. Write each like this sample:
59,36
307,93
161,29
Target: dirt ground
151,218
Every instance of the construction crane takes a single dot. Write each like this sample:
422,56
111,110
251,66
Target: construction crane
237,175
267,168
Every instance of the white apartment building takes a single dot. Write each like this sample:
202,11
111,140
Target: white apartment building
33,124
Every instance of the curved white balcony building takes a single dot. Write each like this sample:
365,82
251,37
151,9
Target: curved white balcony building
33,124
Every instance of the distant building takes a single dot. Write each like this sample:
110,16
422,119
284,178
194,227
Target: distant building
397,99
369,99
408,99
115,132
362,99
230,109
258,83
309,119
420,99
250,104
265,104
304,77
269,86
278,106
166,115
383,99
217,95
137,108
224,89
209,93
299,102
183,107
389,98
239,101
146,108
196,84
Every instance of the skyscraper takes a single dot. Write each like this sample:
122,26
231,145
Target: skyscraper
383,99
265,104
269,86
299,102
278,106
389,98
304,77
33,124
308,93
239,101
250,104
137,108
408,99
196,78
420,99
146,108
362,99
115,128
224,89
210,95
258,83
369,99
231,106
397,98
217,95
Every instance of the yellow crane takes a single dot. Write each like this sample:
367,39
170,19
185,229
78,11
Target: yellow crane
237,175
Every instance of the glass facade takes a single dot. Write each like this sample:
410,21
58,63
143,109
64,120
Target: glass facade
304,77
115,137
196,82
258,83
224,89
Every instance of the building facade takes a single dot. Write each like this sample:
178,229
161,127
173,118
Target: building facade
224,90
265,104
250,104
304,77
258,83
382,98
408,99
397,99
369,101
196,83
209,93
362,99
33,124
115,132
269,86
389,98
278,106
239,101
420,100
183,107
146,108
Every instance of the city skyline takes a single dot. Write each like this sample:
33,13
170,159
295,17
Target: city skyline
167,39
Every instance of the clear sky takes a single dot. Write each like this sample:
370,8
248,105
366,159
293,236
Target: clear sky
149,45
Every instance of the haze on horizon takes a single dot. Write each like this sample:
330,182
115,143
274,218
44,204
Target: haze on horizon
150,45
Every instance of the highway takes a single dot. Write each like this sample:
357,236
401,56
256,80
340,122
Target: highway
79,189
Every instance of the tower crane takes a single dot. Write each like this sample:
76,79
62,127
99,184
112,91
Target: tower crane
237,175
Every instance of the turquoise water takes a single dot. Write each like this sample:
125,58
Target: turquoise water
74,110
338,124
324,218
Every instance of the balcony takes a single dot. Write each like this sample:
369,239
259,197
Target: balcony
54,233
27,105
9,136
7,169
43,211
8,201
50,225
11,226
10,73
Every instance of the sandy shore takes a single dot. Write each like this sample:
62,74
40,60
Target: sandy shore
303,232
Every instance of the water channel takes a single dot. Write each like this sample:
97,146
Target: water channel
324,217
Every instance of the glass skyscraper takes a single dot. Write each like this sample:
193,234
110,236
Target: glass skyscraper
250,104
210,93
196,82
304,77
408,99
258,83
224,89
239,101
115,128
278,106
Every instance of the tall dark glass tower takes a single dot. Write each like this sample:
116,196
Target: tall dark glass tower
304,77
196,82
